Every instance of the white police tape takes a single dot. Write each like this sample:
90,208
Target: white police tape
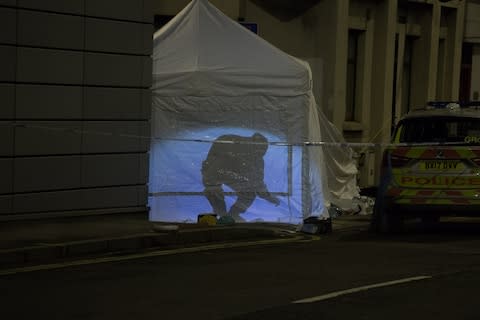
366,145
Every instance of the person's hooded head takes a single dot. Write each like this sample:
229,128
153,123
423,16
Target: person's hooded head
260,143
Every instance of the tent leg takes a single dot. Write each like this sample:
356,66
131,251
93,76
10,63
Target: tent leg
290,172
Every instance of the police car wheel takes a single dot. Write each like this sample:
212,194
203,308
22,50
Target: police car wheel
430,221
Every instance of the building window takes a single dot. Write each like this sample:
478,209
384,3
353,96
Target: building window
466,72
407,75
441,94
352,70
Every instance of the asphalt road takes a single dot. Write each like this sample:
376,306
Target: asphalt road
262,282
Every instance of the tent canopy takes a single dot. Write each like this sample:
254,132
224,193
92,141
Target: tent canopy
202,52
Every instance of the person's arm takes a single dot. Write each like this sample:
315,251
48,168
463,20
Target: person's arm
262,190
256,179
263,193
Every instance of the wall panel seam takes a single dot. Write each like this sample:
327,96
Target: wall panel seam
34,192
75,50
76,14
14,142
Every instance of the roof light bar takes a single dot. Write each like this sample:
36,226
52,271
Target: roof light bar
452,105
471,104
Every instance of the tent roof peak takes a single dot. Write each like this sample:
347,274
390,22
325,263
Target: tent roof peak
201,45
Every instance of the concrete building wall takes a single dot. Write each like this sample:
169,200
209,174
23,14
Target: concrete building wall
75,106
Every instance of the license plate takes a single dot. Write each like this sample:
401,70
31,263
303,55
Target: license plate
450,165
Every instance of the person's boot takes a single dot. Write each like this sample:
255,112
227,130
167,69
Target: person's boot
238,218
235,212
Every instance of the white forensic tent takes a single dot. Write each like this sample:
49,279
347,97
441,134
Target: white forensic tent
212,77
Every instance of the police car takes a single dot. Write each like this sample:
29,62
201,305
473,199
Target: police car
432,167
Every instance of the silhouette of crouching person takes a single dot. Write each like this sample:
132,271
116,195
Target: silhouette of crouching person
236,162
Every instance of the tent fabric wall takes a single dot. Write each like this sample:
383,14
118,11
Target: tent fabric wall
212,77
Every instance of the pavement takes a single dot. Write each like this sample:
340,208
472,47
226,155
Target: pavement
28,243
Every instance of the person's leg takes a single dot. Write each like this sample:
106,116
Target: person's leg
244,201
214,195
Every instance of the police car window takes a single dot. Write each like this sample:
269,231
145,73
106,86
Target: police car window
439,129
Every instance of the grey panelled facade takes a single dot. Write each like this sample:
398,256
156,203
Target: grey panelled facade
75,98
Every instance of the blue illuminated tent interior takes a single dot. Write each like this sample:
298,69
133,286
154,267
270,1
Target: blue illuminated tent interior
214,78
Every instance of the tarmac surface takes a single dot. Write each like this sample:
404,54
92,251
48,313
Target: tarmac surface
35,242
